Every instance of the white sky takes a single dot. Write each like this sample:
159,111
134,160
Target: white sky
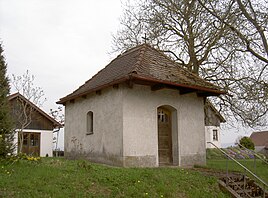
62,42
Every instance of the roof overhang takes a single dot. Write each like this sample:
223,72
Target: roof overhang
155,84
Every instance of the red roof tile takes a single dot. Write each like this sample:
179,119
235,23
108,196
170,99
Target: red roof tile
144,63
260,138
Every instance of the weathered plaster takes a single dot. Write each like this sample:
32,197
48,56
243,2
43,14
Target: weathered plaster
140,123
125,126
105,144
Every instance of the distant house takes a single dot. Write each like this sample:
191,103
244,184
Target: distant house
142,110
37,137
260,140
213,119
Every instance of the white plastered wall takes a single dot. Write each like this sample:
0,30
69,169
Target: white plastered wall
209,136
125,126
105,144
46,141
140,123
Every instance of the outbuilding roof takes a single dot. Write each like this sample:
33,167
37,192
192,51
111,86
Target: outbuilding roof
260,138
18,95
144,64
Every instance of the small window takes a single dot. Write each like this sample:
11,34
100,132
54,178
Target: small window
25,139
34,139
163,117
89,123
215,135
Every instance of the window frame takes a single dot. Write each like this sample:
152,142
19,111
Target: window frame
89,123
215,135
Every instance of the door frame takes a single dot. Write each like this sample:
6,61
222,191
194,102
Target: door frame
31,143
174,136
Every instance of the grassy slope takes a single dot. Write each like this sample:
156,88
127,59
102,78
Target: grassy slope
217,161
63,178
261,168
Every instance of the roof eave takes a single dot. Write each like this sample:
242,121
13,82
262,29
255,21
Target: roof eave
198,88
68,98
134,76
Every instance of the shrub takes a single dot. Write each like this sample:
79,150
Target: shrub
247,142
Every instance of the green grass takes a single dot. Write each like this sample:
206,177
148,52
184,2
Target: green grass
63,178
214,154
261,167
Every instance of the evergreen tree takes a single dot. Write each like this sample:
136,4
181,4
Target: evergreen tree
6,132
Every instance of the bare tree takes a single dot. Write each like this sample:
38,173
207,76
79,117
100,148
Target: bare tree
23,110
58,115
248,22
25,86
190,34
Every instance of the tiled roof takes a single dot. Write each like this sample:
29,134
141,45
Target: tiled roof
260,138
144,63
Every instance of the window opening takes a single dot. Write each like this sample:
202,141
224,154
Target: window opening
89,123
215,134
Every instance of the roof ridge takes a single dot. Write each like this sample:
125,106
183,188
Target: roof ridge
137,65
133,49
181,67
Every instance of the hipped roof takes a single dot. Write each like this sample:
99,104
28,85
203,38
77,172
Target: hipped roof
18,95
147,64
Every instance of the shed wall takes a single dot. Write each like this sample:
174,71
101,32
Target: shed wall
209,136
46,141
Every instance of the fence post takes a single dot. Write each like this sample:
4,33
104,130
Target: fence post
227,171
244,181
254,164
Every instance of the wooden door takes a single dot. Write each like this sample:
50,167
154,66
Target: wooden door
31,143
164,136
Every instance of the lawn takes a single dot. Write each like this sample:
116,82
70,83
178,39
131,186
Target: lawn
261,167
55,177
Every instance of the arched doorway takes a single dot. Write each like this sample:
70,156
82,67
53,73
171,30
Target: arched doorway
164,136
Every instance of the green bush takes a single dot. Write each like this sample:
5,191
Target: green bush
247,142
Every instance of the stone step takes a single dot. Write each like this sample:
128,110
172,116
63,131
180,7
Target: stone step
251,190
248,191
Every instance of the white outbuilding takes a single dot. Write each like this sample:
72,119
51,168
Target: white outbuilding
34,127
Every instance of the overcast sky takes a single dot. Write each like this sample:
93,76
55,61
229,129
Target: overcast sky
62,42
